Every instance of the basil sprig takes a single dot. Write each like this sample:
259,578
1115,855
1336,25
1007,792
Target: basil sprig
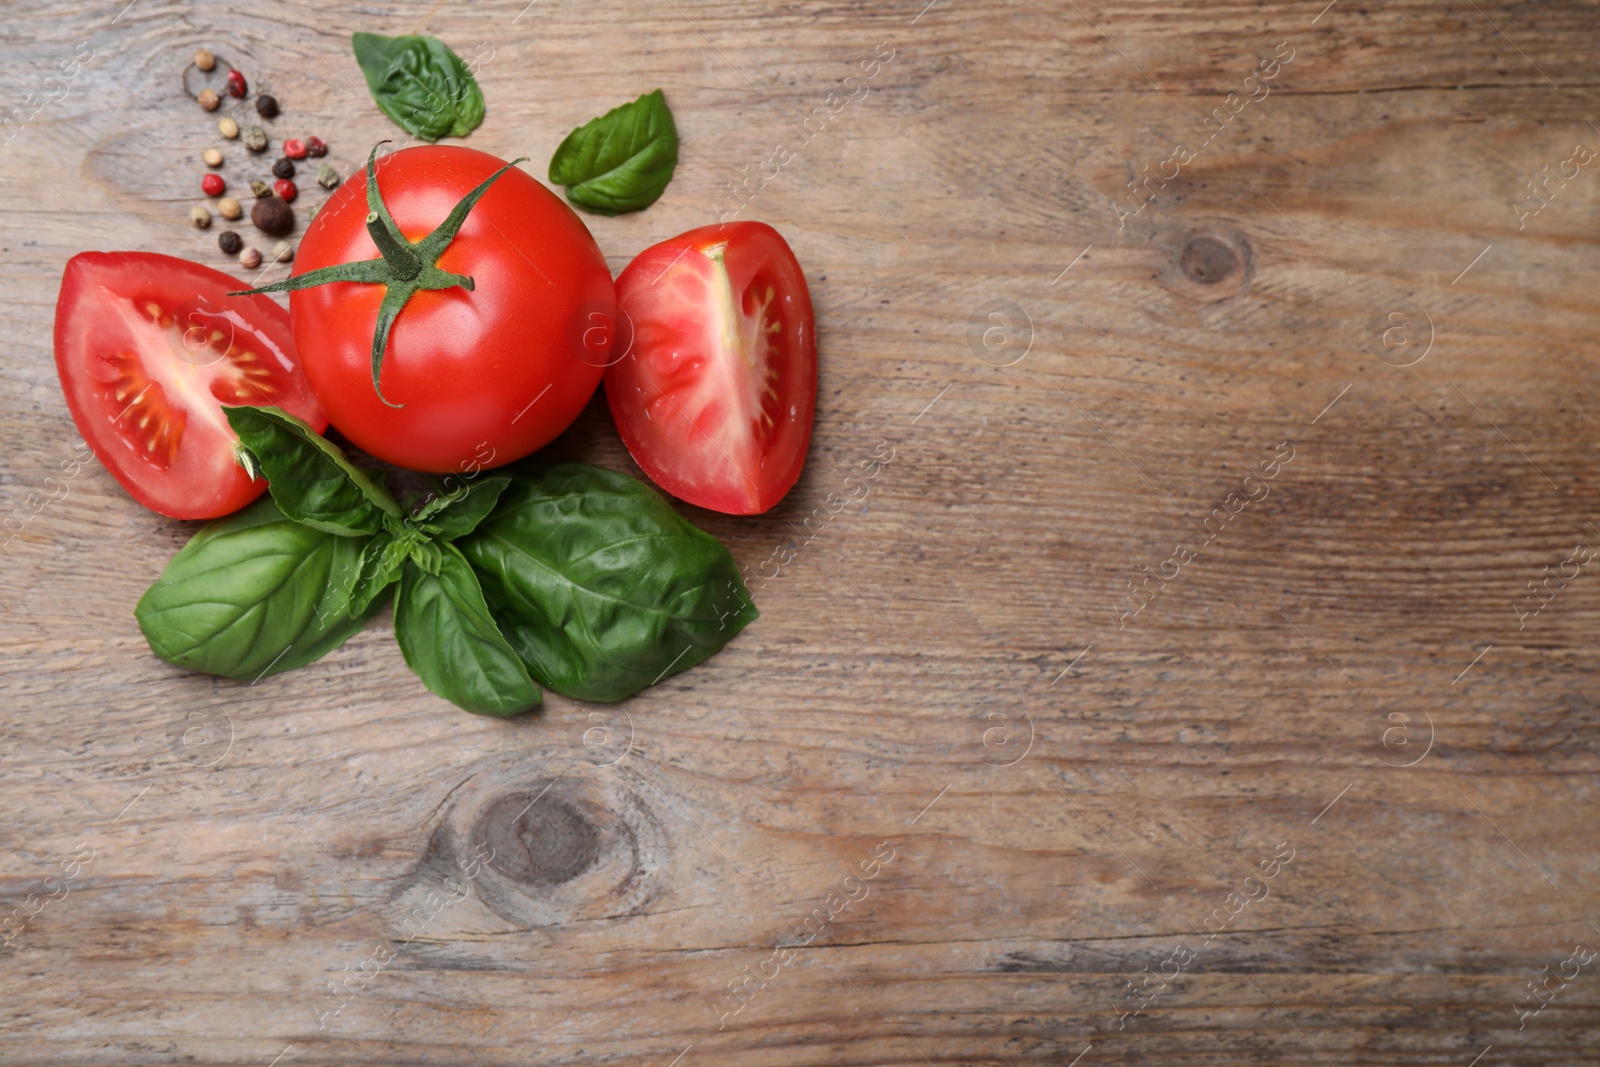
579,578
621,161
420,83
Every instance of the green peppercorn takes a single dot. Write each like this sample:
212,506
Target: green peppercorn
327,177
260,189
255,139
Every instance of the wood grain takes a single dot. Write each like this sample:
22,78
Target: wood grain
1068,794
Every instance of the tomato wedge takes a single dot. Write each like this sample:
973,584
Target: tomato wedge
715,390
149,348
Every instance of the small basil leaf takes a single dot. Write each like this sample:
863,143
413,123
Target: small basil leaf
621,161
450,517
252,594
600,585
309,477
447,637
377,569
420,83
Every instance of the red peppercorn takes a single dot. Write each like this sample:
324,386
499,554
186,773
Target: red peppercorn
236,85
316,147
285,190
294,148
213,185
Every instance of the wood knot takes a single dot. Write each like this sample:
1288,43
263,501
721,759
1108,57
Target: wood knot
544,852
540,841
1209,263
1207,260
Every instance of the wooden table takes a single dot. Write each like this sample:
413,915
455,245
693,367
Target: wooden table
1317,793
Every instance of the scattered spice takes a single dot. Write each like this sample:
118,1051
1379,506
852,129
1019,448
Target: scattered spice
267,106
255,139
282,252
209,99
200,217
327,177
294,148
250,259
285,188
213,185
204,60
316,147
272,215
236,85
230,242
260,189
212,157
283,168
229,207
228,128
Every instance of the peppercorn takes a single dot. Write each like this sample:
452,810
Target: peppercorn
228,128
294,148
200,217
327,177
204,60
213,185
285,188
255,139
236,85
250,259
267,106
229,207
282,252
259,189
283,168
212,157
272,215
209,99
316,147
229,242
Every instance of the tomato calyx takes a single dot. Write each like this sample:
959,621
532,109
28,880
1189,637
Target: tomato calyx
404,267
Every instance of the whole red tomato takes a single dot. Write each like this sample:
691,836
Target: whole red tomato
469,377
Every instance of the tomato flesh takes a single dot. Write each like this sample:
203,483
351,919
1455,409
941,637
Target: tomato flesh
149,348
715,395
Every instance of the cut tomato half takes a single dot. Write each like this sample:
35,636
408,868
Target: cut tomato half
149,348
715,389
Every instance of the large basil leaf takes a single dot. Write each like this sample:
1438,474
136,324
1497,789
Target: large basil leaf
600,585
253,594
621,161
420,83
309,476
454,515
447,637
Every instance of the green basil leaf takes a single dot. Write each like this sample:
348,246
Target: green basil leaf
253,594
621,161
308,476
447,637
377,568
420,83
457,514
600,585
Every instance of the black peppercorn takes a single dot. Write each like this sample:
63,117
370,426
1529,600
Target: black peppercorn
267,106
229,242
272,215
283,168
